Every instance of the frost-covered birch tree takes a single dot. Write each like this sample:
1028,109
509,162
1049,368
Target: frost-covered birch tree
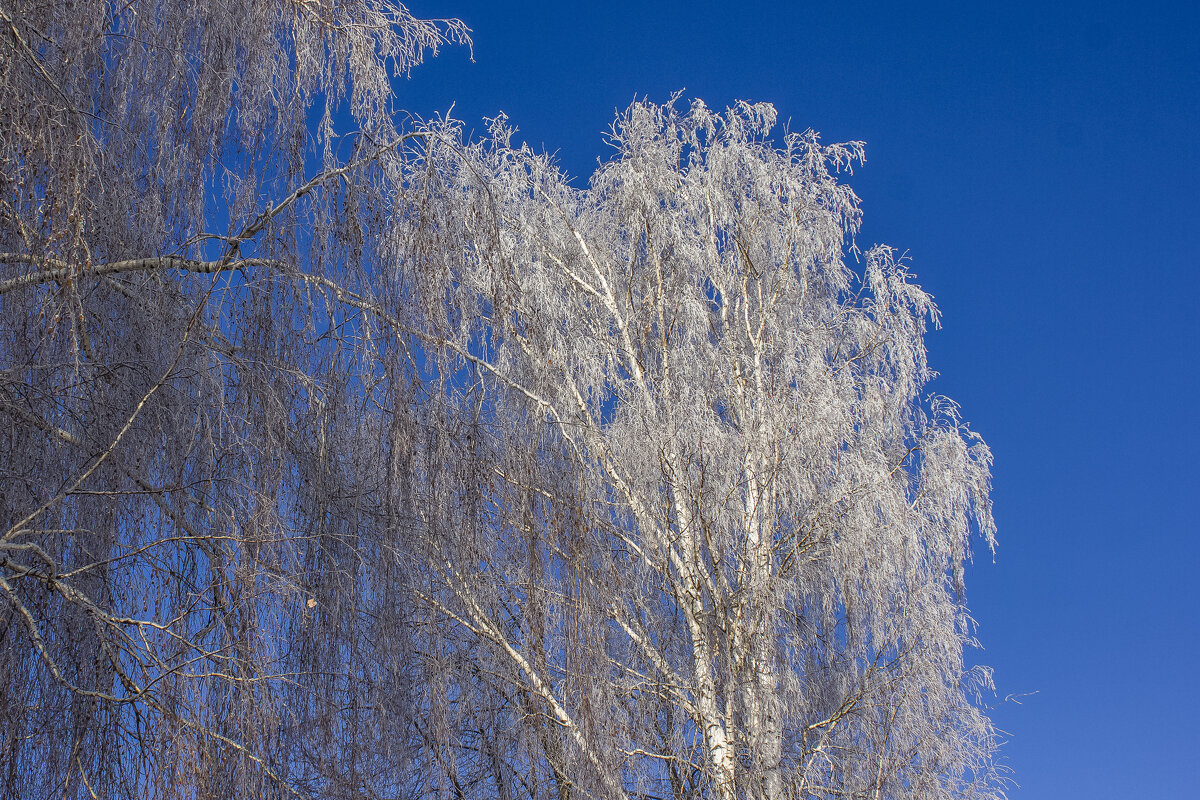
344,457
190,435
722,554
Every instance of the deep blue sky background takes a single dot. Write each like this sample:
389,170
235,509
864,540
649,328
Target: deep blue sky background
1040,163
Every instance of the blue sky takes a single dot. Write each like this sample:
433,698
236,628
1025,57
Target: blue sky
1040,164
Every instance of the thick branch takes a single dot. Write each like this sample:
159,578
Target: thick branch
61,270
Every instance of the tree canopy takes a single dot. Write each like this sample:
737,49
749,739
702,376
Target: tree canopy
347,456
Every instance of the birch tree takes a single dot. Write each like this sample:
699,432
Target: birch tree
191,458
723,555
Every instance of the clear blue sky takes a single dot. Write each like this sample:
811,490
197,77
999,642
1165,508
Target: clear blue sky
1040,163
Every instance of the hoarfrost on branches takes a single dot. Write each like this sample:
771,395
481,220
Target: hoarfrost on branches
346,457
767,523
188,449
